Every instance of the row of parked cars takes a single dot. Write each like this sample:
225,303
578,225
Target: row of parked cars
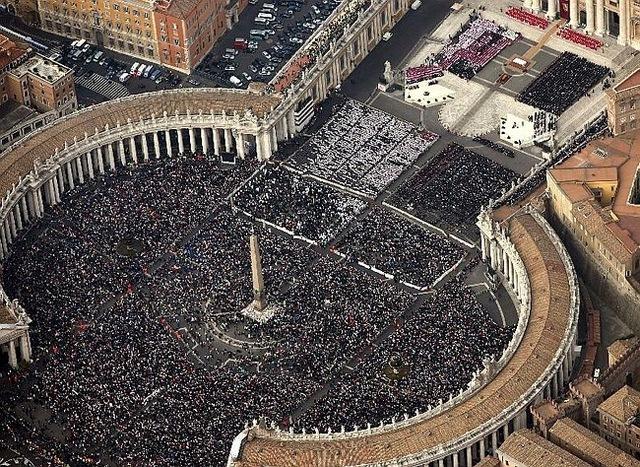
83,58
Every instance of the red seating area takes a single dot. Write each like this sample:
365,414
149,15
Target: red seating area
422,73
526,17
580,39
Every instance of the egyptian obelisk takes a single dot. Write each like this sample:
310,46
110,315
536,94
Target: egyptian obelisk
259,296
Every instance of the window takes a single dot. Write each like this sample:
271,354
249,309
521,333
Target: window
116,7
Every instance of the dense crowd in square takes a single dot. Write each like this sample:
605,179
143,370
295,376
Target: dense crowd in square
300,205
363,148
451,328
453,186
390,243
116,371
563,83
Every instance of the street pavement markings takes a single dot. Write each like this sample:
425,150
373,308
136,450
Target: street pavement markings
104,86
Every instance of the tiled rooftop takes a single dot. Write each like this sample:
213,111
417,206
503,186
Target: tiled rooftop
588,445
621,404
527,448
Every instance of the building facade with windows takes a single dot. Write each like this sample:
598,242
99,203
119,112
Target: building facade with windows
125,26
623,104
175,33
187,29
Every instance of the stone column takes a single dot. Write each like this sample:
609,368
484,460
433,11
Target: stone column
284,131
13,360
205,140
3,240
112,160
123,157
90,164
600,12
145,147
624,19
24,349
240,145
167,142
156,144
590,17
25,208
56,189
533,4
192,140
574,13
291,123
552,11
60,176
494,442
259,148
40,197
505,430
133,150
483,246
180,142
482,448
12,224
227,140
100,157
216,142
70,176
456,460
18,216
469,456
266,146
274,139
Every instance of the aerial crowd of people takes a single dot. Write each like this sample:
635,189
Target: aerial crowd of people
363,148
121,383
569,78
453,186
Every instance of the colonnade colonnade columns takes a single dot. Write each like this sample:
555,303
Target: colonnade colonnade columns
595,13
72,166
22,342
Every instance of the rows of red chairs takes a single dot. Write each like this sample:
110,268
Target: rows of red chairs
580,39
422,73
527,17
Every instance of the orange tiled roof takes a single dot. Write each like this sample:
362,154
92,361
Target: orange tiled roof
617,404
527,448
589,446
610,161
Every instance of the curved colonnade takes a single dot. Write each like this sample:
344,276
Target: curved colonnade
538,273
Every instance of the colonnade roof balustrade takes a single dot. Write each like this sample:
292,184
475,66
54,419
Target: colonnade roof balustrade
552,319
17,160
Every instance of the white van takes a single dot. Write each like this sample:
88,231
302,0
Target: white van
124,77
417,4
270,6
134,68
267,16
235,81
147,71
261,21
